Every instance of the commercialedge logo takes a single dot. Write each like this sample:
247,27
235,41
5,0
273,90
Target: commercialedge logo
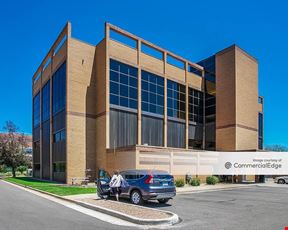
228,165
268,165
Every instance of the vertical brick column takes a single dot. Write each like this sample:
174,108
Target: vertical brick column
165,100
139,115
186,108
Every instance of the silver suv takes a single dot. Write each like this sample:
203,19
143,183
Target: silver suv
281,180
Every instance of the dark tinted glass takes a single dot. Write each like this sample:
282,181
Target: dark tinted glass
123,85
152,93
176,100
195,105
36,110
59,89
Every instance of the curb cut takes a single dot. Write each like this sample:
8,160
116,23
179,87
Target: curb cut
172,220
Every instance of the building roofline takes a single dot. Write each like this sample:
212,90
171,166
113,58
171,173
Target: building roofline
236,47
66,31
156,47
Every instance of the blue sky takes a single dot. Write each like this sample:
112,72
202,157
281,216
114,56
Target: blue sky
192,29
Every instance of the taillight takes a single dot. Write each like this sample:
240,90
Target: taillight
149,180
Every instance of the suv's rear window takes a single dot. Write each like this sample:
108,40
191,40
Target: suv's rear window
133,176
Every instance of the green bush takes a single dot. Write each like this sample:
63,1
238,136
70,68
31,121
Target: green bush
3,169
212,180
179,183
21,169
195,182
8,174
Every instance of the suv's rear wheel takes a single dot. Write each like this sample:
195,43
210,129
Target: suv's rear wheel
136,197
163,201
281,181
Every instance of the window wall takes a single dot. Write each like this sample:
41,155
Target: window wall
195,109
46,102
123,104
176,111
152,96
36,110
195,106
59,136
152,92
260,130
210,117
176,100
123,85
59,122
59,89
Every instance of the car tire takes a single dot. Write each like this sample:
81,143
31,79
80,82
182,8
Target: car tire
163,201
281,181
136,197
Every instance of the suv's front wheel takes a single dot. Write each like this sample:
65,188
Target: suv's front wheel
136,197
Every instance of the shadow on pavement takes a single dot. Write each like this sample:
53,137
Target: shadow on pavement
149,204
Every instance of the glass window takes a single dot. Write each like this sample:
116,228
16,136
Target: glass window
59,167
36,110
210,105
46,102
123,85
176,103
260,131
59,136
152,93
195,105
59,89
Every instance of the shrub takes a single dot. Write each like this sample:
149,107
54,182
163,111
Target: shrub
212,180
195,182
8,174
22,169
179,183
3,169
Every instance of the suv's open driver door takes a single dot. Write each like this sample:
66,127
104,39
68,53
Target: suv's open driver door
102,183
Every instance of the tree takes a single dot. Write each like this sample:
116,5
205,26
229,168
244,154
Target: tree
22,169
12,146
277,148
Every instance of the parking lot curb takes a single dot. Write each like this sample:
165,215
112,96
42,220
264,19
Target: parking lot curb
172,220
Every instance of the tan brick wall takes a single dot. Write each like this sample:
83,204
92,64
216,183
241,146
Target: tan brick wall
81,112
236,100
225,101
100,103
151,63
123,52
246,101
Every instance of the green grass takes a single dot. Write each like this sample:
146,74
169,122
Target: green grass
52,187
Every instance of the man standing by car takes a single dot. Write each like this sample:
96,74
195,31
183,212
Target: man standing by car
115,184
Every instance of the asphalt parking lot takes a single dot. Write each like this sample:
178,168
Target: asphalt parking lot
255,207
245,208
